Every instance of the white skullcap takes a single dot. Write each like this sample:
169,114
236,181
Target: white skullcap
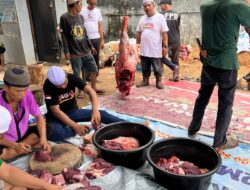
5,119
147,1
56,75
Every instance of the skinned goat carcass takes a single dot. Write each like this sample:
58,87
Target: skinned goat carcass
125,65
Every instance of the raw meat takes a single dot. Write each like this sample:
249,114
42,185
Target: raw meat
74,175
43,156
176,166
58,180
125,65
98,168
46,176
121,143
90,150
42,174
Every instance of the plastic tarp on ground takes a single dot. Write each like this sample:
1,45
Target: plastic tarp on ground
234,173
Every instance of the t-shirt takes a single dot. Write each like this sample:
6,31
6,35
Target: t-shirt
65,98
91,20
220,31
75,39
173,22
1,162
151,29
26,107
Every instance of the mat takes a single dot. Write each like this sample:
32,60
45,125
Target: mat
175,103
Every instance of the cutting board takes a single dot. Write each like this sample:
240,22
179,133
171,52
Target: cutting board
67,155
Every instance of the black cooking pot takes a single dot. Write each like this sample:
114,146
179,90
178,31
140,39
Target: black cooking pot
129,158
199,153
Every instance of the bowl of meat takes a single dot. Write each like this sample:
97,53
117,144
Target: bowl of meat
124,143
183,163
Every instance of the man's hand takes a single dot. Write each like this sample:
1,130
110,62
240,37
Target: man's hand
81,129
93,51
96,117
67,56
45,145
102,44
22,148
164,51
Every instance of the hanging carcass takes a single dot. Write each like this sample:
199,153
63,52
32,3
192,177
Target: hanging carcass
125,65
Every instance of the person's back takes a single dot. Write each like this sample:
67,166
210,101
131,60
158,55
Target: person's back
173,21
220,30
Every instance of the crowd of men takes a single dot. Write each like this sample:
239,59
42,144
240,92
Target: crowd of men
157,35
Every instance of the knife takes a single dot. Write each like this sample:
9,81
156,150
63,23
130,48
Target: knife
35,149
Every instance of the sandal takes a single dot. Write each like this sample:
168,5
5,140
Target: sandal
100,91
228,144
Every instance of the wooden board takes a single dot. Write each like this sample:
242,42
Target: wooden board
67,155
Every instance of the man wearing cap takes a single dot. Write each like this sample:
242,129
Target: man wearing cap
173,22
15,178
151,34
19,101
63,113
77,46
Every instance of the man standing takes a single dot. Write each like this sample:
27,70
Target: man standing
93,23
220,30
19,101
173,22
63,113
151,34
77,46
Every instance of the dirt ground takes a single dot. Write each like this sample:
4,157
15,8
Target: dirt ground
189,70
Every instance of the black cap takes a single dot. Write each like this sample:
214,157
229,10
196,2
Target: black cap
165,2
17,77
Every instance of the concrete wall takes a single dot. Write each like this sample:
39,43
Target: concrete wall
61,7
25,32
17,37
113,10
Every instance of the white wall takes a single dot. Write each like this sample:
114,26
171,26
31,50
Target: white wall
25,31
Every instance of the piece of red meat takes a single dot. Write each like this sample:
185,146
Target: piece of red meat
98,168
176,166
43,156
121,143
58,180
46,176
125,65
72,175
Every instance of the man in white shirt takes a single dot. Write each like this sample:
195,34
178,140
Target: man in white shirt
93,23
151,34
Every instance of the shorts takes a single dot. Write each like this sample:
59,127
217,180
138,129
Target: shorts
85,64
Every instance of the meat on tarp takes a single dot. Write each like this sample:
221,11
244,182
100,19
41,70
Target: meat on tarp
121,143
125,65
176,166
98,168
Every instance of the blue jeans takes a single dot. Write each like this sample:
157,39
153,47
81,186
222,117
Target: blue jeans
58,131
